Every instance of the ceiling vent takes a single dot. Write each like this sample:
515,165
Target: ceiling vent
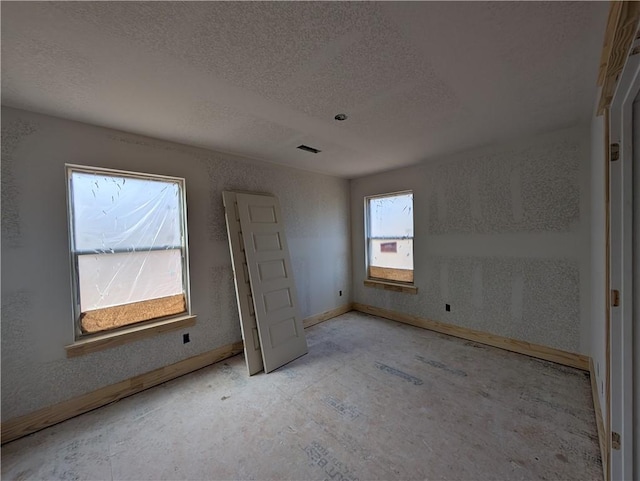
306,148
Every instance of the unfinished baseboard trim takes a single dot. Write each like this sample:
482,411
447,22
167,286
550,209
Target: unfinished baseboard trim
325,316
43,418
570,359
602,435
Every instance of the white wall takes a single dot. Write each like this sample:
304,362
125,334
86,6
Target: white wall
501,233
37,318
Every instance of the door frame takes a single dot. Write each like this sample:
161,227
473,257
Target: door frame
620,369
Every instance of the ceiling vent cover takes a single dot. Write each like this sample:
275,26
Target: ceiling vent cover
306,148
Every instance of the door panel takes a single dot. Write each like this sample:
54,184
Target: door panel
274,295
267,242
272,270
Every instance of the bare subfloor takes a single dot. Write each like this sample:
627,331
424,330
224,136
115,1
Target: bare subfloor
373,399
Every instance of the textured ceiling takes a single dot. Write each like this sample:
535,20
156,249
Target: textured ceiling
416,79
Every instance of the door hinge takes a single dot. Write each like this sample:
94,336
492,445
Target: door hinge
615,440
615,297
614,151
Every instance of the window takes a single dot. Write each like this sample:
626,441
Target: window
389,221
128,248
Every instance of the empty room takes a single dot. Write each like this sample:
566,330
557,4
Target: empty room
320,240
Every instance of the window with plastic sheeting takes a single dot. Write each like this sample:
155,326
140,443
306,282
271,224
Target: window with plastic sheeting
128,238
389,231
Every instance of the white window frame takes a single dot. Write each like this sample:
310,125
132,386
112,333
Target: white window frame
74,253
367,238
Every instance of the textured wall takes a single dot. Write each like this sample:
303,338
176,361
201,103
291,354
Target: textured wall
36,294
501,234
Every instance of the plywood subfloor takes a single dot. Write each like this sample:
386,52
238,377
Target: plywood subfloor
373,399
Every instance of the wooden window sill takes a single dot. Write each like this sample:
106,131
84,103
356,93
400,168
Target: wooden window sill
391,286
122,336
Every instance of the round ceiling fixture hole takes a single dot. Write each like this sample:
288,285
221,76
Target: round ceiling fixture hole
341,117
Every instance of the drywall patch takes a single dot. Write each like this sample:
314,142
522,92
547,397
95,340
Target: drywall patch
17,310
533,189
16,313
226,174
551,303
534,300
550,186
496,298
13,134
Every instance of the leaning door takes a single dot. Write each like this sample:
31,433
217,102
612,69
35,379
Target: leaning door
274,295
243,288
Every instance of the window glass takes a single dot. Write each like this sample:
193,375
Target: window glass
390,237
128,247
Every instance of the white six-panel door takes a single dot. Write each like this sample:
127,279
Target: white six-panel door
279,323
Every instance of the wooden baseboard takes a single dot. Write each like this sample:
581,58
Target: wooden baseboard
602,435
37,420
325,316
43,418
571,359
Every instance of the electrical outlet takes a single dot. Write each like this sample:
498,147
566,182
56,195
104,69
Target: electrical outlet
185,338
447,307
